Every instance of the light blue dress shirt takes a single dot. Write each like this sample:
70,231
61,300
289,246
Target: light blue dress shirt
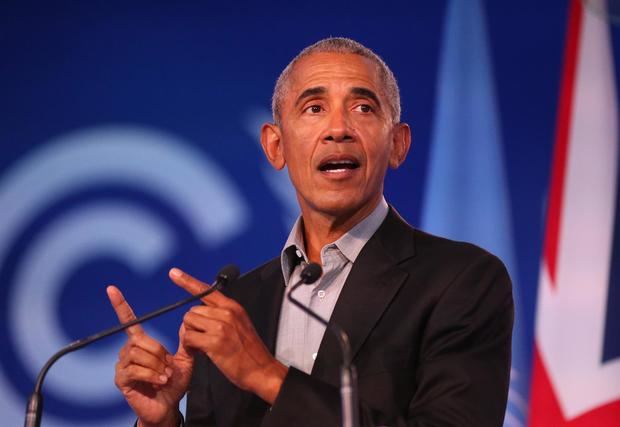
299,336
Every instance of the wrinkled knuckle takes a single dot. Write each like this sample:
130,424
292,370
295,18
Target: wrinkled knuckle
134,340
197,309
133,371
133,353
187,317
130,371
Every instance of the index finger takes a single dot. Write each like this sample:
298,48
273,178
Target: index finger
195,286
123,309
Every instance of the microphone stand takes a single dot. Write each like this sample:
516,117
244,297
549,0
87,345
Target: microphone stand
348,375
34,407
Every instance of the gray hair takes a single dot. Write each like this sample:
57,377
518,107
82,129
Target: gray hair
338,45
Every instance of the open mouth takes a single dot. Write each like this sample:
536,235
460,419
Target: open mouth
338,165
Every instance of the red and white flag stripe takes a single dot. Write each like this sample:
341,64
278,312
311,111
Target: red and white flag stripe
571,385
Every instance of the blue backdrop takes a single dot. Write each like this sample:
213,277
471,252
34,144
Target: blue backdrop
129,136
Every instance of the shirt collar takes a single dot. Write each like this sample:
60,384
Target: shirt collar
350,244
294,250
353,241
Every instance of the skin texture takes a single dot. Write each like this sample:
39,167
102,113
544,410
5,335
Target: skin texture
334,110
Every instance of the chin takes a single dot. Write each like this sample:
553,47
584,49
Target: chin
340,204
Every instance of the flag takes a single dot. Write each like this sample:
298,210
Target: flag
467,196
576,369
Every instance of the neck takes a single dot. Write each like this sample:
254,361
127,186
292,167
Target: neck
321,228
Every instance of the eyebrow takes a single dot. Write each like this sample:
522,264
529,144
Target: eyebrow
366,93
313,91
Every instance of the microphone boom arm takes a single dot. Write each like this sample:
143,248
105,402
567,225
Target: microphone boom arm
348,376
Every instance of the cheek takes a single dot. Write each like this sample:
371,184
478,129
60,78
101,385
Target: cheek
298,150
294,156
378,155
297,163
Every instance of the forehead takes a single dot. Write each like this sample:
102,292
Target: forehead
329,69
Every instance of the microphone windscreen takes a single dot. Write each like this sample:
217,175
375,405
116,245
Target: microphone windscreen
311,273
228,274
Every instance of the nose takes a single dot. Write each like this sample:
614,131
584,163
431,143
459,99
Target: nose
338,127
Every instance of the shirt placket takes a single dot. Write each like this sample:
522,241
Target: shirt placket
333,262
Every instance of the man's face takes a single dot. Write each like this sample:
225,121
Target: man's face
336,134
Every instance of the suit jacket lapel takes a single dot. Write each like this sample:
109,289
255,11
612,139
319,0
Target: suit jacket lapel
371,285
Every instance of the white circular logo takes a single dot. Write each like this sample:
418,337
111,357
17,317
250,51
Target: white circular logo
147,160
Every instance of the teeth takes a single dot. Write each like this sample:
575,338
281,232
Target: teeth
341,162
337,166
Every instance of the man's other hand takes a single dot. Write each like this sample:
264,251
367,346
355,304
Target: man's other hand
222,330
152,380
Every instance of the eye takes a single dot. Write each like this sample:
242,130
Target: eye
364,108
313,109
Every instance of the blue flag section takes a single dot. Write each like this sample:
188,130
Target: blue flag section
129,135
467,195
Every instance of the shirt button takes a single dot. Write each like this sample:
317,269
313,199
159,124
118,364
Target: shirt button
298,252
321,294
313,356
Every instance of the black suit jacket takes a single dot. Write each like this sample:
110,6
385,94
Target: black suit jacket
430,323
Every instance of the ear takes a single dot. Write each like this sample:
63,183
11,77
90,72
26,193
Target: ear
401,141
271,141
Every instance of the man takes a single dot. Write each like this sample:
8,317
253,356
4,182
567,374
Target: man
429,320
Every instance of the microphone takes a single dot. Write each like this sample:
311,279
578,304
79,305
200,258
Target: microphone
310,274
348,377
34,409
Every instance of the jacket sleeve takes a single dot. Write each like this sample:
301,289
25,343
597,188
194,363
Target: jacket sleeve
199,403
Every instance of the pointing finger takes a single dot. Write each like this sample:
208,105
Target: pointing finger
123,309
195,286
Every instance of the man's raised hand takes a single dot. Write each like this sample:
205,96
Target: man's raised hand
151,379
222,330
